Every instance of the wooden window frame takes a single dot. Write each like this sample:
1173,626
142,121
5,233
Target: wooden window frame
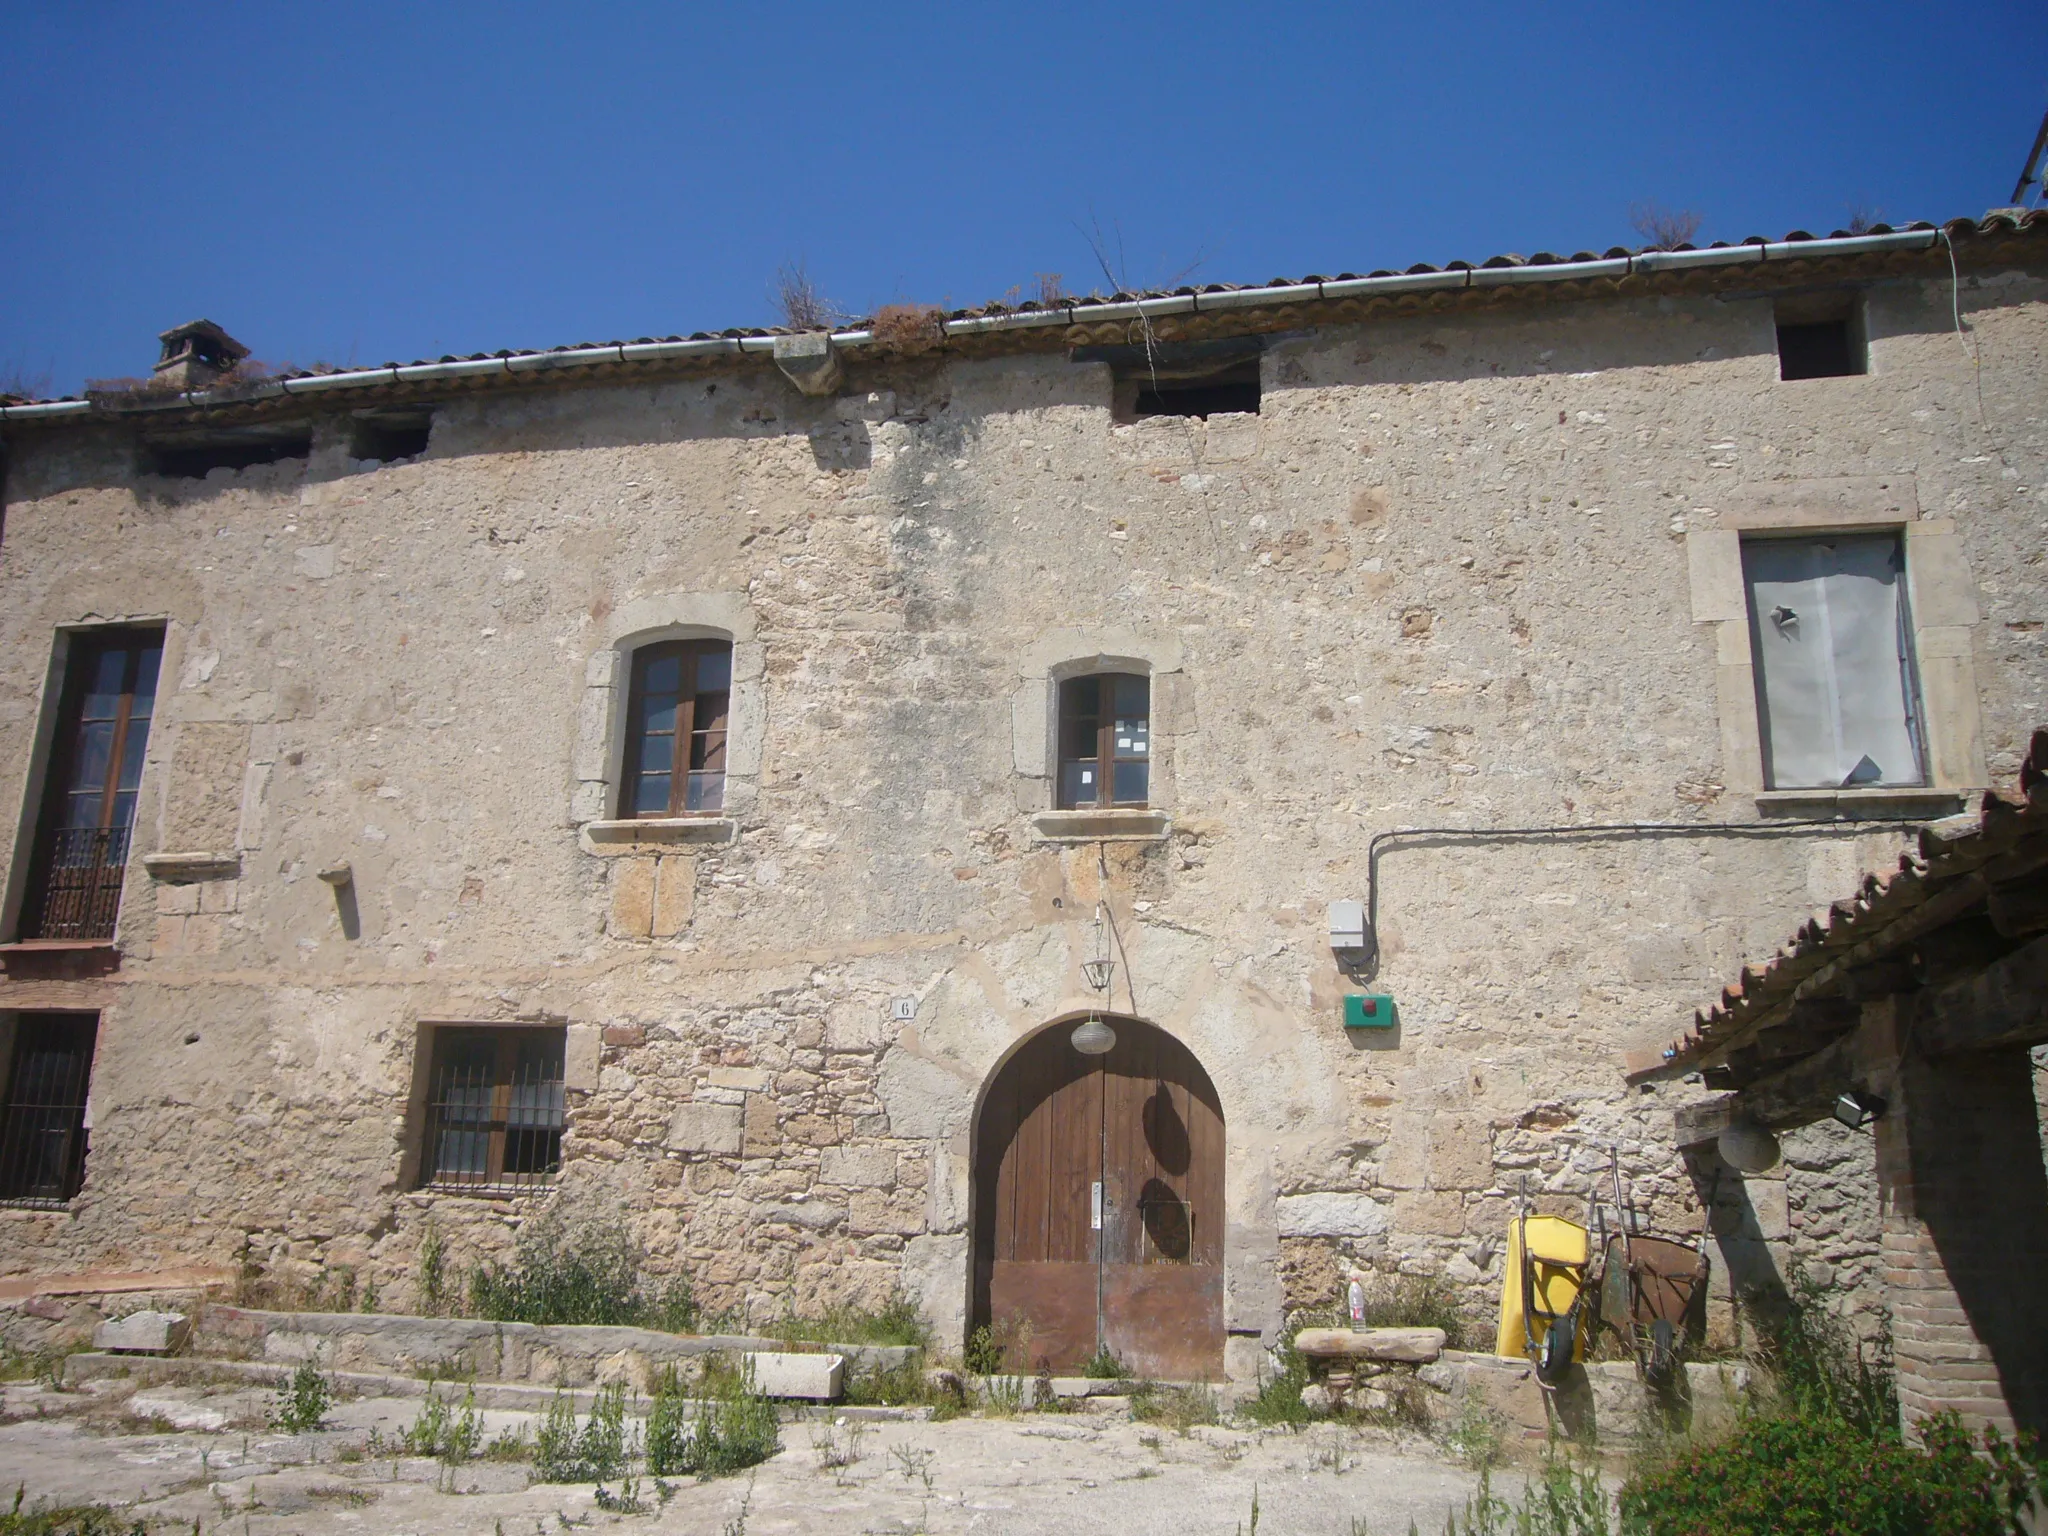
685,732
497,1126
65,1116
1105,756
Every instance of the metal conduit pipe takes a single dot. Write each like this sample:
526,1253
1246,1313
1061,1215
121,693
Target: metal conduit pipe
1645,262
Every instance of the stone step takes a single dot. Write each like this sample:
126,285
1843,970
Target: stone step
539,1353
518,1397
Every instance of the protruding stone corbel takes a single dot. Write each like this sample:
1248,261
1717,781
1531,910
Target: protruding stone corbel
810,361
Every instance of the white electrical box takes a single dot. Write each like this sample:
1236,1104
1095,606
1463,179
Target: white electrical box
1347,925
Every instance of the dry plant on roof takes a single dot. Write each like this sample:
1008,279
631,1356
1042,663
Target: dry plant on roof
802,307
908,329
1662,228
1863,218
1052,290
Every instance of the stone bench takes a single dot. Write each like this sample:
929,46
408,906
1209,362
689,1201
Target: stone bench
1392,1346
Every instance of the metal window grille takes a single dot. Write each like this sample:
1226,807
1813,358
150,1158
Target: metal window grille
42,1126
494,1110
79,895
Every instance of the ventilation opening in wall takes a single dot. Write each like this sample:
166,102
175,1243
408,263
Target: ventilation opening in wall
194,455
1820,336
1185,378
387,437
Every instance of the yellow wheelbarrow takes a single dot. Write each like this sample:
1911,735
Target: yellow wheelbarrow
1545,1299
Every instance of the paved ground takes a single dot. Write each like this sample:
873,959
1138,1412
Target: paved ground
1079,1473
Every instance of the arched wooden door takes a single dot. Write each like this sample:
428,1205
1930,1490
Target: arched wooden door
1099,1204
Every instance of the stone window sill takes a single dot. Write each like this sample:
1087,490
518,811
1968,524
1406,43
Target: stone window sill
1892,799
1129,825
179,868
608,839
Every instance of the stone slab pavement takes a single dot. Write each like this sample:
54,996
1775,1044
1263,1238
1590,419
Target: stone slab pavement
1078,1472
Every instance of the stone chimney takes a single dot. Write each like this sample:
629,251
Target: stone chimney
197,353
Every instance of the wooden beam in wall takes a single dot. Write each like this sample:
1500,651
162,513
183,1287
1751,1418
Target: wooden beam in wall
2005,1004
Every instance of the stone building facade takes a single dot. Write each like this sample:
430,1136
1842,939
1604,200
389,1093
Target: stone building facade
1457,549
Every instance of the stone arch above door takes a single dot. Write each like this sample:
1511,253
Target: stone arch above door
1099,1205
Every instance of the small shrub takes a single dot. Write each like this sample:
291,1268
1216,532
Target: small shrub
983,1355
433,1271
1104,1365
735,1427
1818,1368
596,1453
1004,1345
1003,1396
1661,228
302,1401
1415,1301
802,306
1278,1400
70,1520
1809,1475
1178,1408
1475,1436
449,1433
590,1275
889,1386
908,329
897,1321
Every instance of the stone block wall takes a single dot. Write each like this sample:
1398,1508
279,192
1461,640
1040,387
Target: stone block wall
1441,579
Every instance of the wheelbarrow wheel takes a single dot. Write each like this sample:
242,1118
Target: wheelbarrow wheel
1663,1356
1554,1359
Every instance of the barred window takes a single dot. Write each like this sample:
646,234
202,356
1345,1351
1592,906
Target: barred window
81,840
42,1124
494,1109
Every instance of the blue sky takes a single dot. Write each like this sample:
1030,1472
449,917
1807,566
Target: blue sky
369,182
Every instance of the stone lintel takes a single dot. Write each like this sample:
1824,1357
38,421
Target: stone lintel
177,868
1118,826
612,839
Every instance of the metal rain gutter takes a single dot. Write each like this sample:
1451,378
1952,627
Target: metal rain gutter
1644,263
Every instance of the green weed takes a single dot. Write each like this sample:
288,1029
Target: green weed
590,1275
302,1401
595,1453
1104,1365
896,1322
1179,1409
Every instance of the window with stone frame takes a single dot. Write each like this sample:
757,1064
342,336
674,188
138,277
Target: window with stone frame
43,1131
1838,697
494,1108
79,850
1105,741
678,711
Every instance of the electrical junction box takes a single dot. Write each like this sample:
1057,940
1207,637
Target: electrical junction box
1347,925
1366,1011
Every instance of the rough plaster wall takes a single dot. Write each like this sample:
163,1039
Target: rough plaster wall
1439,580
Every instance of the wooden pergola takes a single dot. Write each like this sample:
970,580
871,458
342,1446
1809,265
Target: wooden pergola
1914,1007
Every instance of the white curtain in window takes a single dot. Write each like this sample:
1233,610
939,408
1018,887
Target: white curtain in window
1834,675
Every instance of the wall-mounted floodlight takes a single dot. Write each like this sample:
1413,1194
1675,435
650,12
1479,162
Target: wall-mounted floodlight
1856,1109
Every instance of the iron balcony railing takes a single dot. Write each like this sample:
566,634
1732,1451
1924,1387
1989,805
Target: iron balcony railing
79,893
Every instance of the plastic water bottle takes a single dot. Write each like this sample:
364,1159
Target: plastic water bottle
1356,1297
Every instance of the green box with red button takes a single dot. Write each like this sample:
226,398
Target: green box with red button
1368,1011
